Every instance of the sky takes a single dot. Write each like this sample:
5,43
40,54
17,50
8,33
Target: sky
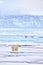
34,7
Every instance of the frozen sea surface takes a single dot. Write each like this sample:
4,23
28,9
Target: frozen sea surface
25,54
25,30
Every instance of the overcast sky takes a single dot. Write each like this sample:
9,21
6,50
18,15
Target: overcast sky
21,7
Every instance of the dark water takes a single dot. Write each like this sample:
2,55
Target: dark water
20,38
